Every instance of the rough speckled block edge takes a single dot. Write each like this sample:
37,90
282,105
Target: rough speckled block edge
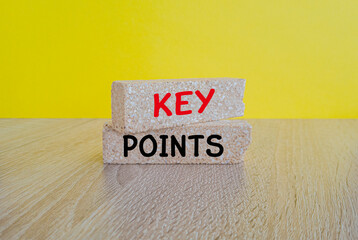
236,137
133,102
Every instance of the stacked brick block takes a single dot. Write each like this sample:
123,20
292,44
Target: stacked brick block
176,122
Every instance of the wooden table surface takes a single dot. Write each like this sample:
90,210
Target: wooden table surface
299,180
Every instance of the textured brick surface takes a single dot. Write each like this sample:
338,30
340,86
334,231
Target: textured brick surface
236,136
133,102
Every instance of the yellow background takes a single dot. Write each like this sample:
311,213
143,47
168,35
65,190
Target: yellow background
300,58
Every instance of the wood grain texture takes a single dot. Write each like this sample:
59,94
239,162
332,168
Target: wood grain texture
299,180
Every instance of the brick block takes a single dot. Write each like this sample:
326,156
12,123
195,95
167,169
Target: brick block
235,139
133,102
